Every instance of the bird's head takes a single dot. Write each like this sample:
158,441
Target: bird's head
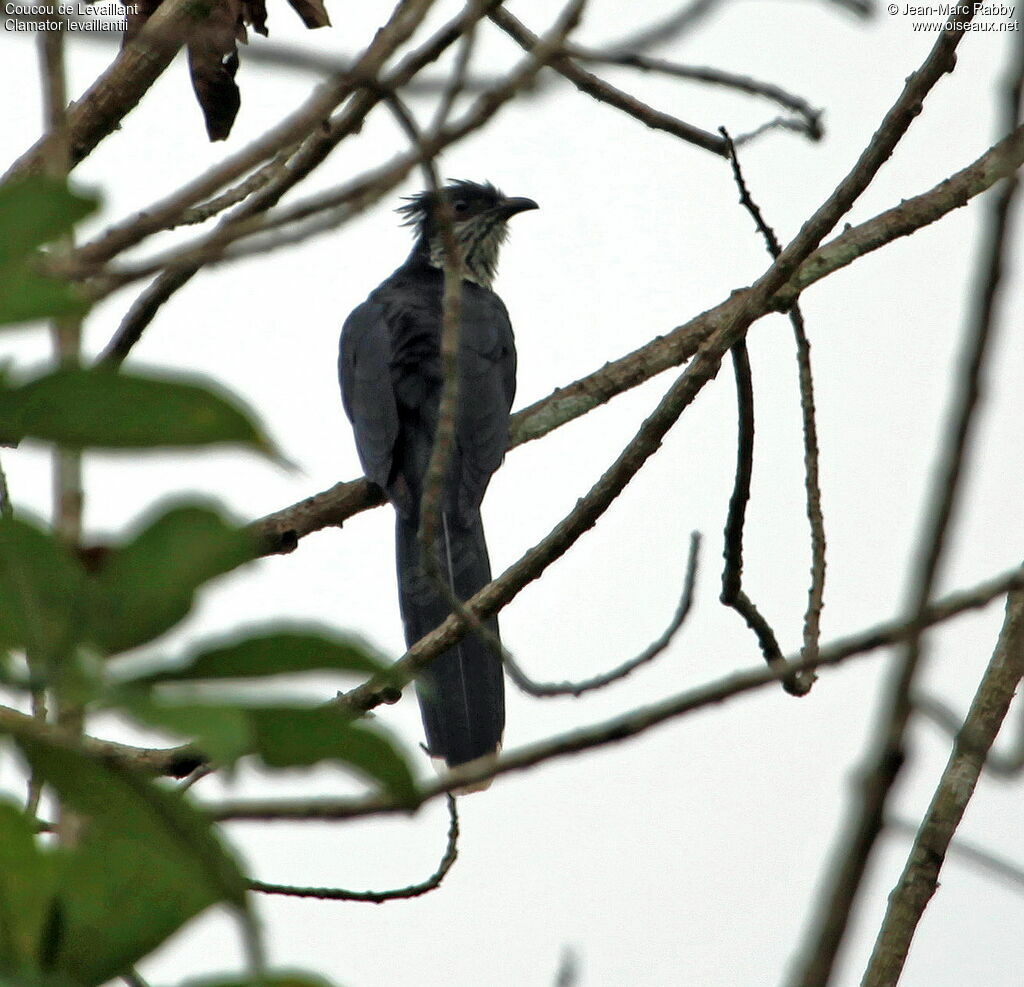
479,216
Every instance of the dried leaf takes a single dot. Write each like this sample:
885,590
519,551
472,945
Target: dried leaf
312,12
255,13
213,62
213,52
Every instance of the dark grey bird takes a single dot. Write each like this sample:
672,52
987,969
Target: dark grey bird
391,380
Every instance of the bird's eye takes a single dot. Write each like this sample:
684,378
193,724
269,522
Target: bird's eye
460,205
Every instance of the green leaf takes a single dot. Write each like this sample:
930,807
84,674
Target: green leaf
40,586
146,586
282,736
294,737
102,408
26,295
36,210
272,979
146,863
26,890
283,652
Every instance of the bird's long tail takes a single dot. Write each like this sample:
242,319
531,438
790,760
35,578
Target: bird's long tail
461,692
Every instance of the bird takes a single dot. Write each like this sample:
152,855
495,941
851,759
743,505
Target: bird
389,367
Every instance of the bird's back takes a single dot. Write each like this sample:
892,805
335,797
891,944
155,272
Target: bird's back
392,379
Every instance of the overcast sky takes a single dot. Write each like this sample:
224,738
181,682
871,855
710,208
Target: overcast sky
692,854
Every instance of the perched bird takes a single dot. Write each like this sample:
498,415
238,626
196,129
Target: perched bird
391,379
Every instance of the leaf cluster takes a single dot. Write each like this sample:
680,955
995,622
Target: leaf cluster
147,859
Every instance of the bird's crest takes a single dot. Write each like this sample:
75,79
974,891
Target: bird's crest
420,209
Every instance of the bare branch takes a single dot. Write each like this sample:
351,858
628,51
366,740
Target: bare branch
999,162
731,581
432,883
618,729
969,852
118,90
888,752
603,91
281,531
177,762
180,762
577,689
810,118
732,594
919,880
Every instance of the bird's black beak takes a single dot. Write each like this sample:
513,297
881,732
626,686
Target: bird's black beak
509,207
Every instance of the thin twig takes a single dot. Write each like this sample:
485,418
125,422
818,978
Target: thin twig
815,594
233,196
577,689
432,883
605,92
180,761
666,30
812,486
733,594
610,731
809,124
458,78
282,530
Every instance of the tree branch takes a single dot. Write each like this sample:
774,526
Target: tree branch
920,877
99,112
888,753
182,761
282,530
577,689
605,92
432,883
621,727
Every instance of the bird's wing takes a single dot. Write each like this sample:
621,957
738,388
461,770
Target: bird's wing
488,358
367,391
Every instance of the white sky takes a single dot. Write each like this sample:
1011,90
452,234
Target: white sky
692,854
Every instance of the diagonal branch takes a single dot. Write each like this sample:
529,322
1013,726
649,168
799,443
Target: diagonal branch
180,762
610,731
99,112
888,753
281,531
920,877
605,92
